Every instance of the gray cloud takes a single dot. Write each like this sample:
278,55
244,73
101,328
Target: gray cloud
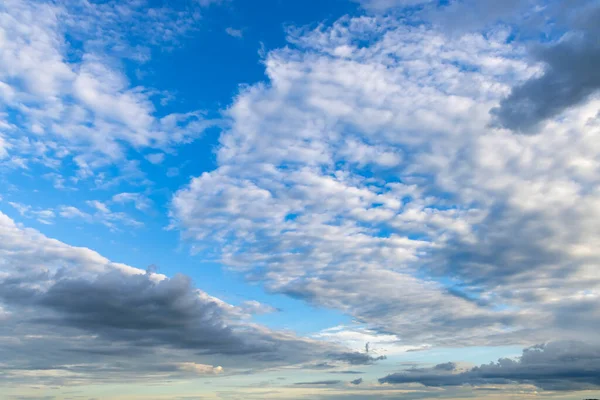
554,366
71,316
397,196
356,358
357,381
319,383
570,77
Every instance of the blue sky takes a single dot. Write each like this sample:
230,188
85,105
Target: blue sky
299,199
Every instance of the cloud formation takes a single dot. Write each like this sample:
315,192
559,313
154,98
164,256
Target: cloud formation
364,177
65,90
569,74
92,312
555,366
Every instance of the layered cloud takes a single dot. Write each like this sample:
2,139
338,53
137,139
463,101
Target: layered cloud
364,176
556,366
87,313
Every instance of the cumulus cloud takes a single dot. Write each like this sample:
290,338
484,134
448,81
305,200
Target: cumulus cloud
85,310
554,366
489,235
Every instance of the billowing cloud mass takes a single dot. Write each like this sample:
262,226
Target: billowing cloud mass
366,178
555,366
570,75
88,312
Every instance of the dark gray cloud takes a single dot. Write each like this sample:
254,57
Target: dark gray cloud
554,366
72,312
357,381
356,358
570,74
319,383
570,77
163,326
449,366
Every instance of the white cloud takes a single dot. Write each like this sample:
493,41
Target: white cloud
73,212
140,201
83,108
43,216
98,205
101,215
358,170
236,33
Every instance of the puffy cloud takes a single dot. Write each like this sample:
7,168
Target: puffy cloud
139,200
60,73
365,177
84,310
554,366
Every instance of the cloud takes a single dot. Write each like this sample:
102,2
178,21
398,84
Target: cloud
357,381
103,214
254,307
63,82
236,33
319,383
554,366
568,79
364,177
200,369
85,310
356,358
45,217
139,200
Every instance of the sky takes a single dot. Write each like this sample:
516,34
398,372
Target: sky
299,199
